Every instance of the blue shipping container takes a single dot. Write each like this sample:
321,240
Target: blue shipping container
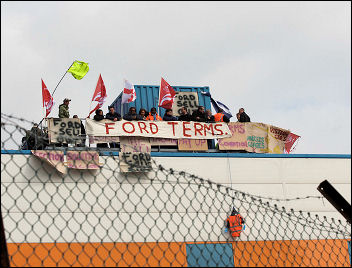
148,97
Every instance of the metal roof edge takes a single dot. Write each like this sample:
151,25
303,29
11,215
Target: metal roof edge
229,155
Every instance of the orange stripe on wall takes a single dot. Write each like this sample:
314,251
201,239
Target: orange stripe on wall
97,254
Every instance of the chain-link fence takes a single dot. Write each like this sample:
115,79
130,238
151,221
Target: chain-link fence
163,217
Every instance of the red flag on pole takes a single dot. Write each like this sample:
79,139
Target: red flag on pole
290,140
48,100
99,94
166,95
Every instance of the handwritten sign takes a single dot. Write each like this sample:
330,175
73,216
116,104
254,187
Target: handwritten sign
238,140
135,144
192,145
161,142
257,137
54,158
158,129
65,130
102,139
276,139
83,159
185,99
135,162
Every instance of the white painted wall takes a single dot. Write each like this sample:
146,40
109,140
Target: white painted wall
112,207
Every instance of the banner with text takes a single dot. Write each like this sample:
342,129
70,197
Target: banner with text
83,159
255,137
54,158
192,145
135,144
185,99
158,129
64,130
135,162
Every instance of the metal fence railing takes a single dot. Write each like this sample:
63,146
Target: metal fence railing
163,217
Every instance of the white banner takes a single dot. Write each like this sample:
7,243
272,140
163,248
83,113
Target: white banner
158,129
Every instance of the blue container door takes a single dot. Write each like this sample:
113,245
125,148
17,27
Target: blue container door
209,255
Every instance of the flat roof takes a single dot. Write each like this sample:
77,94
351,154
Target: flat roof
210,154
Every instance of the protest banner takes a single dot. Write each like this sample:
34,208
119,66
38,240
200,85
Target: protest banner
64,130
54,158
276,139
83,159
135,144
135,162
238,140
158,129
161,142
185,99
192,145
257,137
102,139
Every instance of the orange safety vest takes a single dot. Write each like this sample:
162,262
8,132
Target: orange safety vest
151,117
219,117
235,225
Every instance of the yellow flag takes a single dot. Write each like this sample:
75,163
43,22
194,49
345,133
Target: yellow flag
79,69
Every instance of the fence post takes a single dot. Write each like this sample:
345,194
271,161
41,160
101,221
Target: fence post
336,199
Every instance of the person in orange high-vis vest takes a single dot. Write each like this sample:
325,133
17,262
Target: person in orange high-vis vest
220,117
235,223
153,115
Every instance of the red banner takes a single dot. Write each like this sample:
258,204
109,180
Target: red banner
290,140
99,95
48,100
166,95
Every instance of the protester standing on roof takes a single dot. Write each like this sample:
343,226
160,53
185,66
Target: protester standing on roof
243,116
168,116
143,113
63,109
199,114
112,115
153,115
98,117
132,115
185,116
221,117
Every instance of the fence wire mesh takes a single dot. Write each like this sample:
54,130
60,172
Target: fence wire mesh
163,217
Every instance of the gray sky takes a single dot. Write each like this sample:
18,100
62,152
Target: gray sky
287,63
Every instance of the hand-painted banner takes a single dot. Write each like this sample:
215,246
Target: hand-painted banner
135,162
54,158
161,142
135,144
98,139
158,129
65,130
185,99
255,137
83,159
192,145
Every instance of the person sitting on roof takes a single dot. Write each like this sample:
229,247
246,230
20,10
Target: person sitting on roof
132,115
199,114
185,116
112,115
209,118
168,116
143,113
243,116
153,116
221,117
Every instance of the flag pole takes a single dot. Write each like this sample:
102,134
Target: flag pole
62,78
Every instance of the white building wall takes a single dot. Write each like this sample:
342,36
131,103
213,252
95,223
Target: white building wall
96,206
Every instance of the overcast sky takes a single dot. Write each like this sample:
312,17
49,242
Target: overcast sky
287,63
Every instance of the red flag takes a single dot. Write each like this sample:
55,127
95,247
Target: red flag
290,140
99,94
166,95
48,100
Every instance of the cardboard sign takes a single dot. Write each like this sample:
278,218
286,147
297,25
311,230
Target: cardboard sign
192,145
276,139
161,142
83,159
135,144
186,99
158,129
54,158
135,162
238,140
99,139
65,130
257,137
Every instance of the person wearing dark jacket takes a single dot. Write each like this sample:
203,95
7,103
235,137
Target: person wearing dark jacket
112,115
98,117
132,115
243,116
168,116
209,118
185,116
199,114
82,142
